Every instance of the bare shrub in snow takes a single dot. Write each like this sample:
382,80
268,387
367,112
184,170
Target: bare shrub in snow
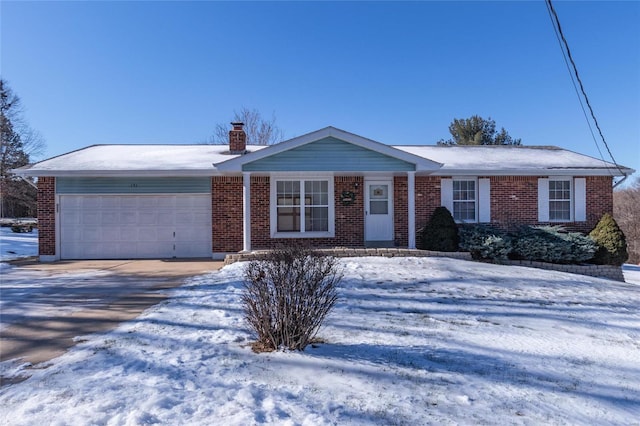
287,296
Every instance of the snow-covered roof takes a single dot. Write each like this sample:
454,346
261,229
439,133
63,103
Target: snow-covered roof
208,160
511,160
135,159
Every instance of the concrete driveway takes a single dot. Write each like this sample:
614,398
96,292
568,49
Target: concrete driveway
46,305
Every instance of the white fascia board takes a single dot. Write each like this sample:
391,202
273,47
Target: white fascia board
422,164
530,172
113,173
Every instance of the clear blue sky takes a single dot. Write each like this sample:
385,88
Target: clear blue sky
167,72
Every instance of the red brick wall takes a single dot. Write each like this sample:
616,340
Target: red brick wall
599,200
260,222
514,200
226,213
401,211
47,216
349,219
427,198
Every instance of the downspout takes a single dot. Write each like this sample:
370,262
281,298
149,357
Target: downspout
615,185
28,181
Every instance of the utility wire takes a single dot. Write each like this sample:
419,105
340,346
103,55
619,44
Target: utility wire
564,46
575,86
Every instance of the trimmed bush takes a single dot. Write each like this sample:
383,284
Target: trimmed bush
611,241
484,242
552,244
287,296
440,233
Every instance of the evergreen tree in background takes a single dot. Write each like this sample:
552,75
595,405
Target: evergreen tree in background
477,131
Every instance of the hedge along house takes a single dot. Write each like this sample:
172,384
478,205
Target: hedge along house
329,187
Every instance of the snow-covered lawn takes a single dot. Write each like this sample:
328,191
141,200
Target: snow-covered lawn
16,245
411,341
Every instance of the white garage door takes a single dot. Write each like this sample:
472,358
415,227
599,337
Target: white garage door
135,226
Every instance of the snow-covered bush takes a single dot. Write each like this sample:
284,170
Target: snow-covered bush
552,244
484,242
287,296
440,233
611,241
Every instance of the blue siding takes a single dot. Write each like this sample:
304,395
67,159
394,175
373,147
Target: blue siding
133,185
326,155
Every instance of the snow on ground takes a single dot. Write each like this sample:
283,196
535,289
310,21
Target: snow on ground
16,245
411,341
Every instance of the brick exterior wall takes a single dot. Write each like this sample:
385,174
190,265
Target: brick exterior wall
47,216
599,201
514,201
226,213
349,219
401,211
427,198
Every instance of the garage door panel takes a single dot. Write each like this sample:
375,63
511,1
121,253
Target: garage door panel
135,226
110,218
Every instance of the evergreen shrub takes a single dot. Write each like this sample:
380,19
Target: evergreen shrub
485,242
552,244
440,233
611,241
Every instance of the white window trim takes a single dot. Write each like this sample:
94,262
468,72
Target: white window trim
475,201
273,201
571,199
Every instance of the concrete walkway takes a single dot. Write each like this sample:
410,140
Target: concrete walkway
103,294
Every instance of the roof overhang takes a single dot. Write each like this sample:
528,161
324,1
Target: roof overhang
535,172
27,172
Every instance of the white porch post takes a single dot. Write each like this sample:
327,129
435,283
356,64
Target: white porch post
246,212
411,207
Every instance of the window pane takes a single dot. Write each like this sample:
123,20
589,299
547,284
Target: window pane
298,213
317,192
378,192
559,200
559,210
288,219
378,207
464,196
464,211
316,219
288,193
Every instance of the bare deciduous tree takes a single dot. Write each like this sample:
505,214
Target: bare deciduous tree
259,130
18,144
626,211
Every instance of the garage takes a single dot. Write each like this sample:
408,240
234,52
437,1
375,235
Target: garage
97,220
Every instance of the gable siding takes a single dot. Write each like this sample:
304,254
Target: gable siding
134,185
327,155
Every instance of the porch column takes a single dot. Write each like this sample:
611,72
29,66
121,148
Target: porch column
246,212
411,207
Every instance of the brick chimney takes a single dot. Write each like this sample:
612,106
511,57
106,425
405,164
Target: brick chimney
237,139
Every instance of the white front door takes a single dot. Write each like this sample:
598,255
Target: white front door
378,210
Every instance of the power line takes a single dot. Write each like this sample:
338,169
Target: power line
564,46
